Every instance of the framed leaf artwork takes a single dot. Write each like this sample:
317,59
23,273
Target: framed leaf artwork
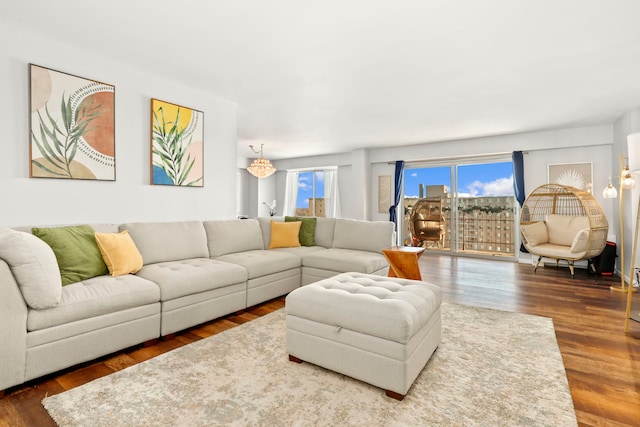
577,175
72,126
177,145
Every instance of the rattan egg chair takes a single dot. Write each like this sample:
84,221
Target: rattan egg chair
567,204
427,222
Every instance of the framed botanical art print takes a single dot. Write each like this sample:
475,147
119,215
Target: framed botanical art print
177,145
577,175
72,126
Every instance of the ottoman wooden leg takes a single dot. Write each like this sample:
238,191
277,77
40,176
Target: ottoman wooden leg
394,395
294,359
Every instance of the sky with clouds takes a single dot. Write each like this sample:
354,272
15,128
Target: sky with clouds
305,187
493,179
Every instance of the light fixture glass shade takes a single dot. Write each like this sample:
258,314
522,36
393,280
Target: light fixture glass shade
633,149
610,192
626,180
261,168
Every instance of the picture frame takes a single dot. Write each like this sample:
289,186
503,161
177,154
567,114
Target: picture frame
384,193
72,126
578,175
177,145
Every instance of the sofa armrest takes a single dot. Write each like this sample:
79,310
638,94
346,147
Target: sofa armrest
13,330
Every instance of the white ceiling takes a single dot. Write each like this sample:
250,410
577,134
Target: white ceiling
320,77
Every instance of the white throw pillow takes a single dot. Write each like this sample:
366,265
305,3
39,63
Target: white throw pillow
581,241
535,234
34,266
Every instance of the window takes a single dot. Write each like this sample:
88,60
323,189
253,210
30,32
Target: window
310,200
312,193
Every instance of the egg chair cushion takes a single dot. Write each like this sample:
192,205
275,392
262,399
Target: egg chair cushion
563,229
535,234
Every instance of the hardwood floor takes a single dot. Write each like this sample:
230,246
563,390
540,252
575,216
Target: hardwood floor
602,362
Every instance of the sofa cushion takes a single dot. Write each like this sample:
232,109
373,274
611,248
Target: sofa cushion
581,241
535,233
95,297
262,262
342,260
285,234
168,241
301,251
372,236
562,229
119,253
325,228
76,251
231,236
34,267
191,276
307,229
265,228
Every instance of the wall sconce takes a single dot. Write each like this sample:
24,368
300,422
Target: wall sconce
626,180
610,191
261,167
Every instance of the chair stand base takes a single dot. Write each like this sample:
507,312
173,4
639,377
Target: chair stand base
535,267
570,262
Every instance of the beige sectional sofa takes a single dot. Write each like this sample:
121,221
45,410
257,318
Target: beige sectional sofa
192,272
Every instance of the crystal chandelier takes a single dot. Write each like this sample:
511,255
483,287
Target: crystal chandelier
261,167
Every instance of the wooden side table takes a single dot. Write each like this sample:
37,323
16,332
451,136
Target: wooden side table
403,261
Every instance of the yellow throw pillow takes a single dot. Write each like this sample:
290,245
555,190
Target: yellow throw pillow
119,253
285,234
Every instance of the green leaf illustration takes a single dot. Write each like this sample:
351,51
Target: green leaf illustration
60,147
170,146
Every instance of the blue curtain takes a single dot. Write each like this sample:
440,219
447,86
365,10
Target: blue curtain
518,176
518,181
398,190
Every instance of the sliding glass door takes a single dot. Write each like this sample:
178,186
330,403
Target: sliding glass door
460,207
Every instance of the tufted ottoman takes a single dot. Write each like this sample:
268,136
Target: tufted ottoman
376,329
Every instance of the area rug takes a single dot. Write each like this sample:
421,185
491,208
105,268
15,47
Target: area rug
492,368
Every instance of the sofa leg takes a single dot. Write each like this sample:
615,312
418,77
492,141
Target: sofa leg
294,359
149,343
394,395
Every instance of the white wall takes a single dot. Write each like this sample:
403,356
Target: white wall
627,124
584,144
130,197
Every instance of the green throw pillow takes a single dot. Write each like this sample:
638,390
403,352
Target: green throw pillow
76,251
307,230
